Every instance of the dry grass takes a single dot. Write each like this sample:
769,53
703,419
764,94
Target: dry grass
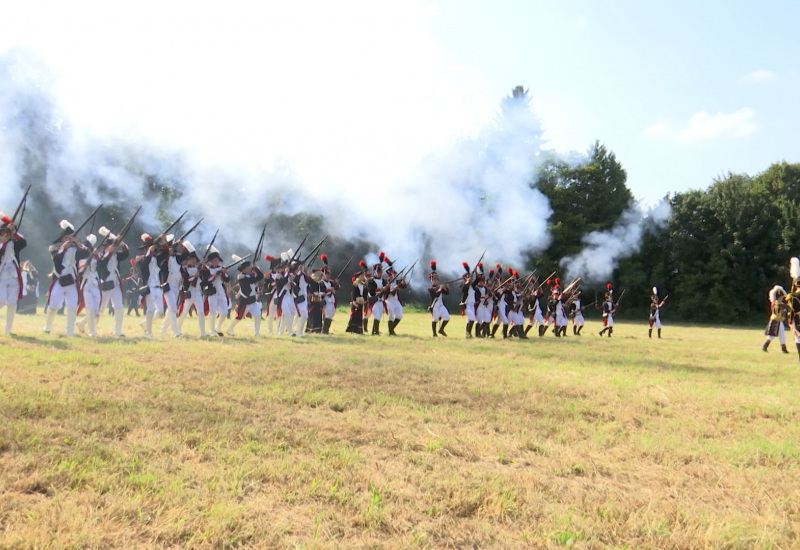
363,442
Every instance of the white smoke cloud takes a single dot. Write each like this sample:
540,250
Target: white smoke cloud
459,199
603,250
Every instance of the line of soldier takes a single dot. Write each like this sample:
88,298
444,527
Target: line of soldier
517,304
175,281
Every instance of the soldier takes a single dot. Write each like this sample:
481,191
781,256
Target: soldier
655,317
66,251
609,308
779,313
793,299
213,277
393,303
270,279
503,299
247,303
358,299
469,291
514,310
576,308
113,252
485,304
191,292
133,283
30,289
534,307
172,287
316,296
376,288
11,285
89,297
152,266
329,286
437,308
301,281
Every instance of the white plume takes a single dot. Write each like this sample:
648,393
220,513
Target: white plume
775,291
794,268
91,239
64,225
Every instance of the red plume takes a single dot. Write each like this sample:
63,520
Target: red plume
516,274
557,280
270,258
324,259
5,219
491,273
510,271
498,267
381,256
433,265
480,265
549,282
465,265
608,286
362,264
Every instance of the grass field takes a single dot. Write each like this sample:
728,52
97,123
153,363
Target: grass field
345,441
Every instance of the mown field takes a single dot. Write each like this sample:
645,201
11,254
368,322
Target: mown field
343,441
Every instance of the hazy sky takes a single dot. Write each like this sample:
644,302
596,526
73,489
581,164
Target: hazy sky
356,92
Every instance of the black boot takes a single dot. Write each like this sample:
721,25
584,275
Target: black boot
564,331
542,330
366,325
485,331
650,333
469,328
441,328
798,351
580,328
610,330
527,330
574,330
494,330
766,345
659,335
326,326
433,328
783,348
557,331
602,331
376,327
505,331
521,333
392,324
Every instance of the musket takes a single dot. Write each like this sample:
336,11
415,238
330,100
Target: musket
190,230
208,248
173,224
452,281
87,220
569,286
260,245
127,226
545,281
237,262
616,305
21,216
313,253
20,205
297,251
475,268
345,267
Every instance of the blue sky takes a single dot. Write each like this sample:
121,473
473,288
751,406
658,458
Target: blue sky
681,92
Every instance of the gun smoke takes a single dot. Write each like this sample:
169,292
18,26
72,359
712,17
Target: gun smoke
603,250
